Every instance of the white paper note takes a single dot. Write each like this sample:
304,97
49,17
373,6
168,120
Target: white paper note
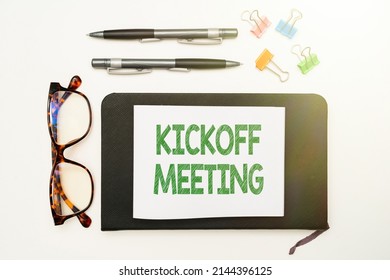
208,161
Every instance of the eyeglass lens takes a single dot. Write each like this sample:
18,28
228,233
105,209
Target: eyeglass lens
71,187
69,116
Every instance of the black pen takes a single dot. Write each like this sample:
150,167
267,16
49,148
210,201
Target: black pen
187,36
141,66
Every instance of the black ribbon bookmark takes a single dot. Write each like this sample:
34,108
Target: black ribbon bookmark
307,239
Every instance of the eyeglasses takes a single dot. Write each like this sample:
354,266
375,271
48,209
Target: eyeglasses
69,119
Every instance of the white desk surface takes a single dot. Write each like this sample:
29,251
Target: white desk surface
45,41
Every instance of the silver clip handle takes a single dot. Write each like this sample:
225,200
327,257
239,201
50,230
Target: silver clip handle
149,40
177,69
283,75
204,41
297,50
127,71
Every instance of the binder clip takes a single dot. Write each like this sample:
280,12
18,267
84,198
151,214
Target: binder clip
286,28
258,24
310,61
264,61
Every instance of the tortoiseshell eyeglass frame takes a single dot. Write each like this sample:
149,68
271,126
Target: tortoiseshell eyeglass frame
55,191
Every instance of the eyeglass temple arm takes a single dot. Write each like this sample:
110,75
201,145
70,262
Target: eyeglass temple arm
56,195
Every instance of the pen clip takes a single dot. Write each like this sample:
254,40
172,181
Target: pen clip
177,69
201,41
128,71
148,40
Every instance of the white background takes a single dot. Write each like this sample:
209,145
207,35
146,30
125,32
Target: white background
45,41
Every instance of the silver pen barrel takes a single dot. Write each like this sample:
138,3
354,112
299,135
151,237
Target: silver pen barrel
195,33
148,63
132,63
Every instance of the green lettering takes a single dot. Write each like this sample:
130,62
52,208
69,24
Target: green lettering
210,168
253,139
222,189
196,179
160,139
242,181
229,148
191,128
178,128
182,179
259,180
239,139
204,137
159,178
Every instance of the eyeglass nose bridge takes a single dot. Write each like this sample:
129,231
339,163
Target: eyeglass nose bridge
58,153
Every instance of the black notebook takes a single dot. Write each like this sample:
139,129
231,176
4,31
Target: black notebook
214,161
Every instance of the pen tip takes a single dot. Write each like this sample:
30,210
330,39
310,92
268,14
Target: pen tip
99,34
230,63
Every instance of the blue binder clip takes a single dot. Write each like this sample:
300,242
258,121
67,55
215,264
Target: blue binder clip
286,28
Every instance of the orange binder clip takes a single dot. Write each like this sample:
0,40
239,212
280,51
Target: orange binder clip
258,23
264,61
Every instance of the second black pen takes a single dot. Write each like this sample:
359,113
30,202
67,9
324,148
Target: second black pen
138,66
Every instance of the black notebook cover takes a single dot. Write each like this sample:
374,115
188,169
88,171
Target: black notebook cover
305,205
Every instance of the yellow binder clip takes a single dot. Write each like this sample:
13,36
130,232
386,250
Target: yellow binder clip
310,60
264,61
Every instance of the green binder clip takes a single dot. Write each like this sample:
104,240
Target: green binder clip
310,60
